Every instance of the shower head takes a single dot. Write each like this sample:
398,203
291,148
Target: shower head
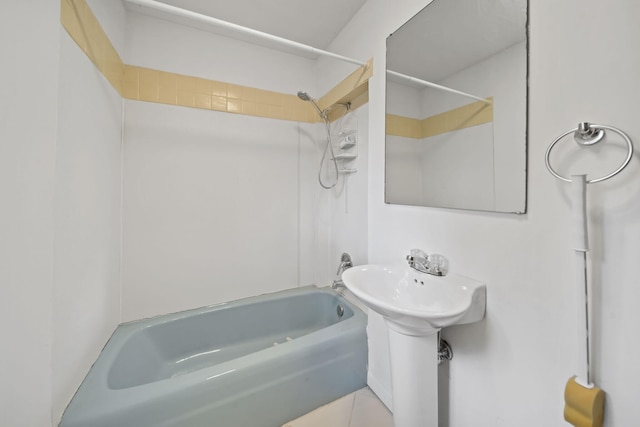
305,97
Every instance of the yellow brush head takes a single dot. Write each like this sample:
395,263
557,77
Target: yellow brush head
584,407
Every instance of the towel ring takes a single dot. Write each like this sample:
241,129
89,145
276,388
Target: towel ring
589,134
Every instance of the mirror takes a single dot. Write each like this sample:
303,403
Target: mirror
450,149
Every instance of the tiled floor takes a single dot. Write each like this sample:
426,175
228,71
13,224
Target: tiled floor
359,409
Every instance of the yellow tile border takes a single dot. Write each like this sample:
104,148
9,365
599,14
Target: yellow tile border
146,84
151,85
473,114
83,27
349,90
403,126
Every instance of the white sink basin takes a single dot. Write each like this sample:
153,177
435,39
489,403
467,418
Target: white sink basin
416,303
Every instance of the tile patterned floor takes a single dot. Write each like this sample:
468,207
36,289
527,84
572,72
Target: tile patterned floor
359,409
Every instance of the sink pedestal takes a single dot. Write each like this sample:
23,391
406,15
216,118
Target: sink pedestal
414,377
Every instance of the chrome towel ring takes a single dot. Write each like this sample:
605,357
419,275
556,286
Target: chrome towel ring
589,134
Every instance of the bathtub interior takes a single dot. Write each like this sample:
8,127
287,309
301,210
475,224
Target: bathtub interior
198,340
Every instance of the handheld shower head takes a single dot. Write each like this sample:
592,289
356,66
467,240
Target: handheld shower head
305,97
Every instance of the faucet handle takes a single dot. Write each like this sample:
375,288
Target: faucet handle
439,264
345,262
417,253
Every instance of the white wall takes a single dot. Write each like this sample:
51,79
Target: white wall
60,127
347,210
511,368
217,206
29,43
210,207
87,220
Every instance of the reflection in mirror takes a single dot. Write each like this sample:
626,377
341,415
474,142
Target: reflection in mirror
458,150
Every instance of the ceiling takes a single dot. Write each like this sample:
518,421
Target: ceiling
311,22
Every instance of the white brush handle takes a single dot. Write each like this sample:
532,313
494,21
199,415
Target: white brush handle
579,211
584,366
581,247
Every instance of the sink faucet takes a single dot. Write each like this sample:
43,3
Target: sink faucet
434,264
345,262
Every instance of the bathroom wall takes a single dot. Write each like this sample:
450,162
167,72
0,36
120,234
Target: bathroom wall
60,127
28,120
342,211
511,368
217,206
87,211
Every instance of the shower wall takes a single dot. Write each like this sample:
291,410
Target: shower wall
87,210
60,127
342,211
217,206
87,220
28,122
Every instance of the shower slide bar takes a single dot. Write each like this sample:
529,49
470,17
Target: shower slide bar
436,86
194,16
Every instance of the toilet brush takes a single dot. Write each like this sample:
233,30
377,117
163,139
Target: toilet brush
584,402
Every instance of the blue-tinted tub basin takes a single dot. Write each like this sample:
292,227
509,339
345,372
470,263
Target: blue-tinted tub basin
256,362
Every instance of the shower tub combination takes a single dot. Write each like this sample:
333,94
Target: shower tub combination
256,362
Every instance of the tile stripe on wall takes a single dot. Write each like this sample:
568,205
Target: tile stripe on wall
473,114
403,126
354,89
83,27
146,84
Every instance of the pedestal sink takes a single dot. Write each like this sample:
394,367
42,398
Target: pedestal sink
416,306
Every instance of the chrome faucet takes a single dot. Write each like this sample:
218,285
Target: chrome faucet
434,264
338,283
345,262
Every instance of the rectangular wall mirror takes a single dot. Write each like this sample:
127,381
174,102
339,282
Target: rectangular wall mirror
456,123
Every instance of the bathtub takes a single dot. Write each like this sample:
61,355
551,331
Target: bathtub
256,362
